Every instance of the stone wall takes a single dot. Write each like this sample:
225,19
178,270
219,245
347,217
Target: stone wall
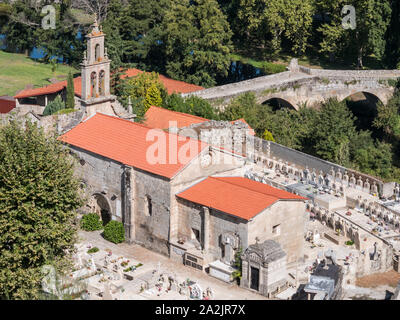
101,176
191,215
152,231
289,216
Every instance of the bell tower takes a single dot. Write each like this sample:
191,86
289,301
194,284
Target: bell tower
95,70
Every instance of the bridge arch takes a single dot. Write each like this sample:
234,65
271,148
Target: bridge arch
363,105
277,102
371,96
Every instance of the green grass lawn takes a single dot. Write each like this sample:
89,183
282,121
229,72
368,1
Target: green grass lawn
18,70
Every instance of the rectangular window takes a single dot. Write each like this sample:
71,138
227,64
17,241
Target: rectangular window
276,230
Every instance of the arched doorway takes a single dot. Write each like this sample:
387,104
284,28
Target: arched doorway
278,103
99,204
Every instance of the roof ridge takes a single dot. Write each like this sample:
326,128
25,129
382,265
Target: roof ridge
149,128
243,187
182,113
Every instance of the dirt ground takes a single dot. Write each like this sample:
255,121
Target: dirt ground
390,278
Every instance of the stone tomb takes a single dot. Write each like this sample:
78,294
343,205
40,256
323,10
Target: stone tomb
264,268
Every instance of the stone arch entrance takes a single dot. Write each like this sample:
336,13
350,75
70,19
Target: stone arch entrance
99,204
279,103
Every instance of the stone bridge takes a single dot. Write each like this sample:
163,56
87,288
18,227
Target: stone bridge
301,85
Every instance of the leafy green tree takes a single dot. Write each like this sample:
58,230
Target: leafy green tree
268,136
70,101
369,156
145,90
392,52
198,41
372,19
153,97
52,107
388,118
39,195
333,131
267,22
192,105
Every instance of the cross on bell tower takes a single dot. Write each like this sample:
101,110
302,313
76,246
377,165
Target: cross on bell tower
95,70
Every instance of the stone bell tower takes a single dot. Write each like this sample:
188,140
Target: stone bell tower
95,95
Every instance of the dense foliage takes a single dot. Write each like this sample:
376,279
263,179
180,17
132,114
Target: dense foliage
54,106
193,41
114,231
91,222
39,196
330,133
70,100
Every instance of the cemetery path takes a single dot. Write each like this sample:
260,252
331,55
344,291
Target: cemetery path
151,260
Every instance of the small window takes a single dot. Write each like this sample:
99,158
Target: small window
276,230
148,206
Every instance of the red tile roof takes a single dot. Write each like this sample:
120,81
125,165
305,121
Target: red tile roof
125,141
172,86
6,104
241,197
160,118
51,88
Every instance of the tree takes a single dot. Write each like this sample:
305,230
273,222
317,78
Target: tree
369,156
372,19
39,195
198,41
144,89
392,52
388,118
52,107
268,136
333,131
153,97
266,22
192,105
70,101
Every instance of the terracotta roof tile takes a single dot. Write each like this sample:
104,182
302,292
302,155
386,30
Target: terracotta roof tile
172,86
157,117
51,88
125,141
241,197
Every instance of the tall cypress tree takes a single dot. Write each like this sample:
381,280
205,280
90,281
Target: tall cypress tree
70,102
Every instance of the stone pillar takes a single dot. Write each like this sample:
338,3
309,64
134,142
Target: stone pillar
128,204
206,231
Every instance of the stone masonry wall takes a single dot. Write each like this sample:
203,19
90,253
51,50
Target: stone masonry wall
152,231
102,176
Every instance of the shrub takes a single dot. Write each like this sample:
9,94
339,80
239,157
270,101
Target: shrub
114,231
91,222
349,243
52,107
93,250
